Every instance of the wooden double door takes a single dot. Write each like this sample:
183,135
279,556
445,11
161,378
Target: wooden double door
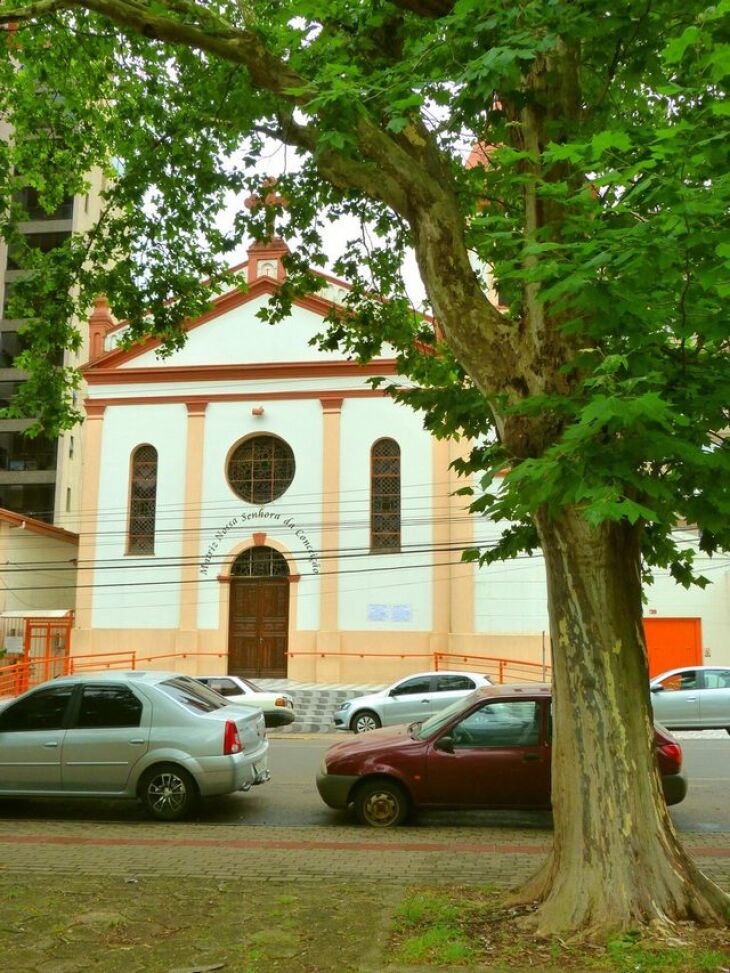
259,627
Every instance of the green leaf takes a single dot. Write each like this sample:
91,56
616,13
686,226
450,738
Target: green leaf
677,47
611,139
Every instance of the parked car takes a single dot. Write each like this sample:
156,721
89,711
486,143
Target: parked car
693,698
157,736
278,708
413,698
490,750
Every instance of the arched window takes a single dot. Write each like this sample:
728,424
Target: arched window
385,496
142,500
260,562
261,468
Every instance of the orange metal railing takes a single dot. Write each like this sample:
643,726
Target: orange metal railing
16,678
19,676
499,670
361,655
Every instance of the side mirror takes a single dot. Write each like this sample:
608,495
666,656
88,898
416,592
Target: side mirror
657,689
444,744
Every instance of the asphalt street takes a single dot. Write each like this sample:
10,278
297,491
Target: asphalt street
291,800
281,831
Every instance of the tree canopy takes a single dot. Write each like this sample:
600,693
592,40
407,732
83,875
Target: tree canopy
610,123
595,369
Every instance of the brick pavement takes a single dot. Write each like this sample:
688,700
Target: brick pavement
426,855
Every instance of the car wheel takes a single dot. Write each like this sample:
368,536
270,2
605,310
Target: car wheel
364,721
381,804
168,792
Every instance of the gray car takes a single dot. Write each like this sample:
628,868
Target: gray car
414,698
693,698
157,736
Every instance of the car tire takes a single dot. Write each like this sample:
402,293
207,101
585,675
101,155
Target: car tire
381,804
365,721
168,792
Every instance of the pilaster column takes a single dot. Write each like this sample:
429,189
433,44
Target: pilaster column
191,516
89,509
329,580
441,539
462,536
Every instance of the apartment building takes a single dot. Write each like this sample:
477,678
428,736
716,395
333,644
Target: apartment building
40,477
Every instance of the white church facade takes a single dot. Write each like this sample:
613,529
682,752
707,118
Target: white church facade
251,504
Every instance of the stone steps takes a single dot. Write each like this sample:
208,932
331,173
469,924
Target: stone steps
314,703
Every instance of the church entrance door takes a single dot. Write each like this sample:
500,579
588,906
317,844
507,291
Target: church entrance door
259,615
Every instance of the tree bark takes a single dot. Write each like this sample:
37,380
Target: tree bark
616,862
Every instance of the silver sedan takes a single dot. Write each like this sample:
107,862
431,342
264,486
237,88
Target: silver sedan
414,698
157,736
693,698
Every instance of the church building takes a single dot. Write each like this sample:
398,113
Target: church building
253,505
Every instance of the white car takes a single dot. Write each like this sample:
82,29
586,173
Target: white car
278,708
413,698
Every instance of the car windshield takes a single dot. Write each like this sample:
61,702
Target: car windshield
421,731
193,695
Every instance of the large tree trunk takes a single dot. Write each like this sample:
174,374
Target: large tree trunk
616,862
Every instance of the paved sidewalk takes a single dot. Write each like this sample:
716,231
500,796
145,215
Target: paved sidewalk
309,855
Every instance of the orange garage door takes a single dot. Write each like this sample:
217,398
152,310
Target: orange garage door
673,642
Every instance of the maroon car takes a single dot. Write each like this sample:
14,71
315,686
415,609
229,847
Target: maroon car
491,749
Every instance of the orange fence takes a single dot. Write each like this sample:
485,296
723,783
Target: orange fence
19,676
130,660
16,678
499,670
37,647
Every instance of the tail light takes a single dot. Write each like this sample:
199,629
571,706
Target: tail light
672,752
231,740
280,701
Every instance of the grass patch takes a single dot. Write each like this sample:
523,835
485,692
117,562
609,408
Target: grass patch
627,955
469,927
428,929
157,925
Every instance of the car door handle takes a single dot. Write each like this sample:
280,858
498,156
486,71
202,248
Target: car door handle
691,699
51,743
531,756
137,742
426,701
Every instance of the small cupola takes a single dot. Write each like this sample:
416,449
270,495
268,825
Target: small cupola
265,256
264,260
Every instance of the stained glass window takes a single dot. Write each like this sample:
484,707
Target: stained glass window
260,562
261,469
385,496
143,500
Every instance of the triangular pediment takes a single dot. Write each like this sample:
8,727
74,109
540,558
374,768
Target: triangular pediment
231,333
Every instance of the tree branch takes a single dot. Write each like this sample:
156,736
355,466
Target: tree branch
406,172
233,44
433,9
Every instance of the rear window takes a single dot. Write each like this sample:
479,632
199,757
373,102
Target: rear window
251,685
224,687
193,695
450,684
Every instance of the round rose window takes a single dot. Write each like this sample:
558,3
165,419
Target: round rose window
261,469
